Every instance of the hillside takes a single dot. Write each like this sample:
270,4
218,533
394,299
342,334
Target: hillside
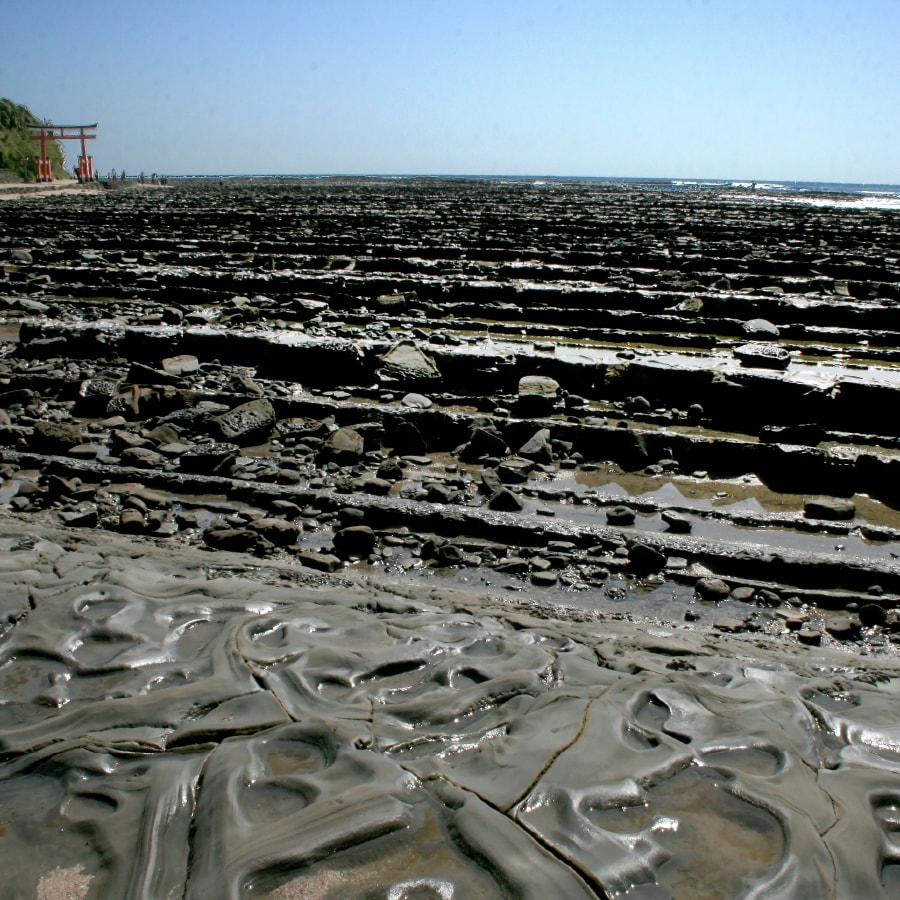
16,143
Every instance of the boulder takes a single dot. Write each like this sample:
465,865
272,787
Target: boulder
538,448
356,540
712,588
344,446
248,423
407,364
537,395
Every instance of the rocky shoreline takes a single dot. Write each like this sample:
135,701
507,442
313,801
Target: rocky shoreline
552,473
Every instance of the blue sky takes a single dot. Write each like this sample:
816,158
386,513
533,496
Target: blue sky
764,89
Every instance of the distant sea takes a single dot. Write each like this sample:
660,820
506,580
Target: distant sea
826,193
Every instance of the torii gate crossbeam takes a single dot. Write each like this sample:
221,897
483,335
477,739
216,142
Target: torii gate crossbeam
85,170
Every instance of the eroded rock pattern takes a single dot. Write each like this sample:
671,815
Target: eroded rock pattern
448,539
194,725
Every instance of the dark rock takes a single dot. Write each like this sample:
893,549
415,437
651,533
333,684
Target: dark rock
843,628
238,540
85,517
355,540
57,437
484,441
538,448
646,559
350,515
678,524
620,515
872,614
380,487
143,458
132,521
505,500
829,508
515,470
209,459
408,440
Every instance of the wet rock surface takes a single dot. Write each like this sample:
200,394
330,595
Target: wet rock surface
448,539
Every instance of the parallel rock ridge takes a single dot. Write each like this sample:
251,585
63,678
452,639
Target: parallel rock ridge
447,538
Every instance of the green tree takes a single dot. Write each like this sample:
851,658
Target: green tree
16,143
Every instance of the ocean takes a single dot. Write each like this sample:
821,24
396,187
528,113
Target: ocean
820,193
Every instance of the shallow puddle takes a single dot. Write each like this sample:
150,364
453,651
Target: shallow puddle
715,841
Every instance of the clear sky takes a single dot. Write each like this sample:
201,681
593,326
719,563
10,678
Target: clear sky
744,89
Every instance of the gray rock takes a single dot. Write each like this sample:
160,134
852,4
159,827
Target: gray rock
417,401
763,356
248,423
344,446
406,363
760,328
180,365
712,588
537,395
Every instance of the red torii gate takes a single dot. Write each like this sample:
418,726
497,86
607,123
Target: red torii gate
85,170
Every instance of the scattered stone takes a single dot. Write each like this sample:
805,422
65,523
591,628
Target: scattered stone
321,562
712,588
544,579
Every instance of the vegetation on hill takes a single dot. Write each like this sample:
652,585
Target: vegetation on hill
16,143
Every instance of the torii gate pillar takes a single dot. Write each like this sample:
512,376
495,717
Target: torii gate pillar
85,169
